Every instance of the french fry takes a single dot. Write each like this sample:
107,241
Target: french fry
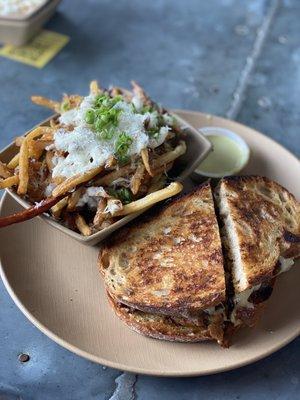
113,206
170,156
111,161
71,183
115,91
127,94
94,88
47,136
82,225
150,199
73,199
137,178
58,180
146,174
56,210
9,182
14,162
53,123
5,172
75,100
23,168
48,159
44,102
39,131
139,91
100,216
37,147
145,158
112,176
29,213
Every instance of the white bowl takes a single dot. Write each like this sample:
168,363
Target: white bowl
197,149
244,154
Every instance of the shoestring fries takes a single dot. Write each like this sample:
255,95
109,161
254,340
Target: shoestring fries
152,198
9,182
5,172
102,157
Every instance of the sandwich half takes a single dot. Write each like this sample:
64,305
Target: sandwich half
261,237
165,274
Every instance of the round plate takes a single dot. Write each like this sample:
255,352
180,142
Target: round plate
56,283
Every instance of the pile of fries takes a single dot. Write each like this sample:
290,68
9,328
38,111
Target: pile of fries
116,188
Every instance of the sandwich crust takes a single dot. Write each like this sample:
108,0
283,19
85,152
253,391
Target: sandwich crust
164,327
170,262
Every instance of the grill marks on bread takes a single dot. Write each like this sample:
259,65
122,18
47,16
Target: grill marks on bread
170,262
165,274
262,222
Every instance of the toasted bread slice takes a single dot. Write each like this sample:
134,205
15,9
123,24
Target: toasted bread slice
168,328
261,236
170,262
262,228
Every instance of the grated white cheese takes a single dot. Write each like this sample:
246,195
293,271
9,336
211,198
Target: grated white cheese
137,102
76,116
86,150
113,206
91,197
178,240
241,301
152,118
49,189
163,132
167,230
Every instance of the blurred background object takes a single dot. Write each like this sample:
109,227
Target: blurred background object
21,20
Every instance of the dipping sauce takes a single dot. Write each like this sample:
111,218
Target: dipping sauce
226,158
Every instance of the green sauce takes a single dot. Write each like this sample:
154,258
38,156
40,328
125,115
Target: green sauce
225,158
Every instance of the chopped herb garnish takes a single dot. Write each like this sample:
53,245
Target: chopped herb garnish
90,117
146,109
65,105
153,133
123,143
122,194
107,133
103,117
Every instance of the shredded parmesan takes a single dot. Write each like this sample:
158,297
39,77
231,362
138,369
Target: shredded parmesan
85,149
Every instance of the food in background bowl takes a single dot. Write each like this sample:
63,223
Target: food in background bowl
13,8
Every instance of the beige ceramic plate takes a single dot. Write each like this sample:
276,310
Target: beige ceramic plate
55,282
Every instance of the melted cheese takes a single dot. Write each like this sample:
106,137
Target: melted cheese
113,206
91,197
241,300
285,264
86,150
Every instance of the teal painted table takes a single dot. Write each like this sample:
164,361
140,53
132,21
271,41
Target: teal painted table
234,58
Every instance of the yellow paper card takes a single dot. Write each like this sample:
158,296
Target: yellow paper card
39,51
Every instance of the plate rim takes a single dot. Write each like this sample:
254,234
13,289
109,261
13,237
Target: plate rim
124,367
